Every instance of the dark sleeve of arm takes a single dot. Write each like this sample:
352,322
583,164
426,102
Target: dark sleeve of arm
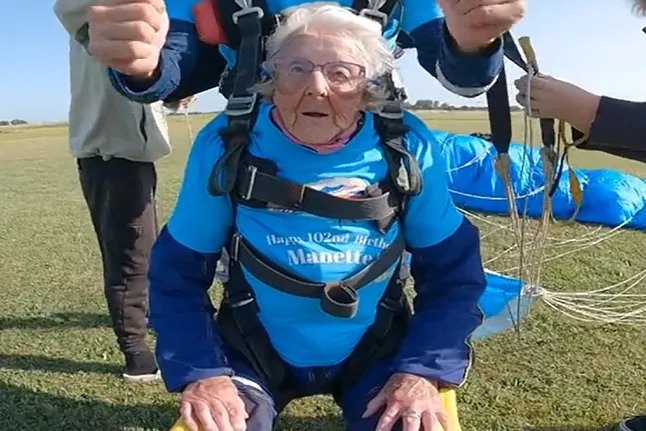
467,75
177,62
189,347
449,280
618,128
182,268
449,276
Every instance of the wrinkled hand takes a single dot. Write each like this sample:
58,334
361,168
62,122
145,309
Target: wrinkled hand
414,399
213,404
128,35
475,24
561,100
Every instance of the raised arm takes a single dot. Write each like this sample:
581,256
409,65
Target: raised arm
448,272
187,65
464,74
183,260
464,59
617,128
152,49
611,125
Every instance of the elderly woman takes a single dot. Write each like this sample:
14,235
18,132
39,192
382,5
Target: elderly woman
286,328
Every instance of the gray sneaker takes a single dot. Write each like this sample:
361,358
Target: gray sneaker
636,423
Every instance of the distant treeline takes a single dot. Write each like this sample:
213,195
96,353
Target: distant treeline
420,105
15,122
430,105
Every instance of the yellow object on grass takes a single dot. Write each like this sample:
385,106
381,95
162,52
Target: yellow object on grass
448,398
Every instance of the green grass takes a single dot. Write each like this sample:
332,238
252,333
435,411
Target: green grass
59,367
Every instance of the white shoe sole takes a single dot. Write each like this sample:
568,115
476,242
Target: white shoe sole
143,378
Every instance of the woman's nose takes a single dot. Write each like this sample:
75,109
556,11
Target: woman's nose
317,85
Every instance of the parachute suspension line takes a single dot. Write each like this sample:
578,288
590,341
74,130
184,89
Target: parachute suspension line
502,165
189,127
548,159
612,304
183,105
603,305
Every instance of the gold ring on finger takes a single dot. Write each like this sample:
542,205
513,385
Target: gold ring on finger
411,414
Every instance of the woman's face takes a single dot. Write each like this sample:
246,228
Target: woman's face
319,84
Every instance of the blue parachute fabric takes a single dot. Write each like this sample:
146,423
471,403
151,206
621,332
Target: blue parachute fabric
610,198
499,304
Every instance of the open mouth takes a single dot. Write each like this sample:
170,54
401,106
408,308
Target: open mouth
313,114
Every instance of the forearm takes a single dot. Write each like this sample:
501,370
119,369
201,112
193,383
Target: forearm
449,282
189,347
618,127
177,61
464,74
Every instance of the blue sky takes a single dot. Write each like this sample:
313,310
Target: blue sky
605,53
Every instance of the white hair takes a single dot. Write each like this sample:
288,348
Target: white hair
639,7
372,50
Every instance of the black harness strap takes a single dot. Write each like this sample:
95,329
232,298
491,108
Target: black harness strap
242,105
402,167
229,14
338,298
499,114
382,338
256,185
498,98
242,330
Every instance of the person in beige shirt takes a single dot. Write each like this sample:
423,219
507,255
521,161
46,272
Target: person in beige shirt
116,143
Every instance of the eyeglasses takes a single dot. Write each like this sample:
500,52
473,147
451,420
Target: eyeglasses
291,74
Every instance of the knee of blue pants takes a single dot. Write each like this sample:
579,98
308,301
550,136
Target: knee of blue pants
253,391
354,401
259,406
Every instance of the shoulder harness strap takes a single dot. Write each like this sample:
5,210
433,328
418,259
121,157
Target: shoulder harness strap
245,28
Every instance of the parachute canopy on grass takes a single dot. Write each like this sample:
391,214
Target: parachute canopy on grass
610,198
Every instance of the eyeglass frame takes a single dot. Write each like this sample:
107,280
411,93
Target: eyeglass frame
268,67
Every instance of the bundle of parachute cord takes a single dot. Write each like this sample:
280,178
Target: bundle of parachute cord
181,106
616,303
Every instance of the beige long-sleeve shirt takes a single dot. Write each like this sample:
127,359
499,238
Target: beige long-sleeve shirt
101,121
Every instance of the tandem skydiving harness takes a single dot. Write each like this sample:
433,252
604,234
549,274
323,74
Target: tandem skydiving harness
251,181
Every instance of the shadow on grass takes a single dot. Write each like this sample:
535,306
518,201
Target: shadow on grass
24,408
69,320
54,365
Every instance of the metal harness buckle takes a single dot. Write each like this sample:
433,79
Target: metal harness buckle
241,105
375,15
253,171
251,10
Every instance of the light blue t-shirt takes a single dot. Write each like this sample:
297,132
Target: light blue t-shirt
407,16
309,246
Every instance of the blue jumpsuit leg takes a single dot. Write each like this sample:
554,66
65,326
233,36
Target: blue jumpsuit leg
258,402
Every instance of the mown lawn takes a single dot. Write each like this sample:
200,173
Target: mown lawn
59,367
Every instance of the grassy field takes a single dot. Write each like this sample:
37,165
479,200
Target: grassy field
59,367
